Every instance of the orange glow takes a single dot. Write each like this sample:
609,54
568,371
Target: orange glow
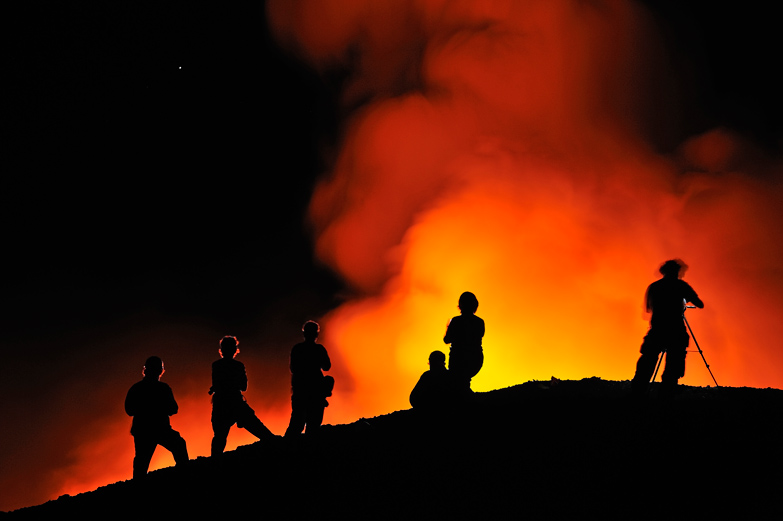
107,458
102,453
559,288
504,150
517,167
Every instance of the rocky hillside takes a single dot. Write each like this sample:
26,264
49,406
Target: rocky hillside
556,449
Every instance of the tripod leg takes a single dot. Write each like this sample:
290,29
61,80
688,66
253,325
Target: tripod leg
700,352
660,359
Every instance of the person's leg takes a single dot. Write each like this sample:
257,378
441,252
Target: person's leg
460,373
145,447
257,428
220,430
645,366
674,370
476,362
175,443
298,419
248,420
314,416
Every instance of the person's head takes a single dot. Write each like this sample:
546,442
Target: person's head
229,346
674,268
437,360
468,303
153,367
310,330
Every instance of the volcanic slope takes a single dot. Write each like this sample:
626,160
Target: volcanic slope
553,449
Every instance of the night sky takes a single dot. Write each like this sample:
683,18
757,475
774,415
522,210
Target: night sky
162,157
159,162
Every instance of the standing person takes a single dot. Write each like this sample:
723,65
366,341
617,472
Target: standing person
665,299
229,380
151,402
464,333
309,386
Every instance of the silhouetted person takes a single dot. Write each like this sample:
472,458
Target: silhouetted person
665,299
229,380
151,402
309,386
464,333
435,391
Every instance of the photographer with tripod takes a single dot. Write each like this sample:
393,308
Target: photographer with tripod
665,299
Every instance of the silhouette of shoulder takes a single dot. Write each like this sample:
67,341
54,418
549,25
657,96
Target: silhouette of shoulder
465,329
309,358
229,376
150,402
665,297
435,389
670,287
150,397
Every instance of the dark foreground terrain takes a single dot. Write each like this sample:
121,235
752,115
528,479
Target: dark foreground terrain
541,450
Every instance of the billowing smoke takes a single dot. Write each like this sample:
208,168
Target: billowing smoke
506,148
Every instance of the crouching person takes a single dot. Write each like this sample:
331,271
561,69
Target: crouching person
437,392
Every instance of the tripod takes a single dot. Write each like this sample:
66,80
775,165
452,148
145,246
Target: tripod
697,347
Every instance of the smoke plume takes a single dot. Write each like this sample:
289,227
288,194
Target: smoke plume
508,148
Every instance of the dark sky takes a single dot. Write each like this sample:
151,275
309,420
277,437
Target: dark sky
160,160
162,155
726,57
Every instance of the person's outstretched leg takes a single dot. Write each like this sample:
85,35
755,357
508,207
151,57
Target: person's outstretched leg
175,443
257,428
252,424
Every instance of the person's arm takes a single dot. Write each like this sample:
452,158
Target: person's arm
326,363
130,403
696,301
693,298
293,361
172,407
447,338
213,388
243,379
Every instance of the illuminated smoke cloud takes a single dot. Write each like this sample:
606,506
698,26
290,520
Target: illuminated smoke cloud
503,148
499,147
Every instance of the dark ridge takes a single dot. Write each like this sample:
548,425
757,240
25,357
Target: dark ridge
555,449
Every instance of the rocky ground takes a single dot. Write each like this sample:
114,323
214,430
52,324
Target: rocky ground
554,449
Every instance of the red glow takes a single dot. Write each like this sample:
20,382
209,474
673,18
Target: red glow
107,458
517,168
504,152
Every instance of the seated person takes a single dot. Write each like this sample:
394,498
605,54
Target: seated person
436,390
